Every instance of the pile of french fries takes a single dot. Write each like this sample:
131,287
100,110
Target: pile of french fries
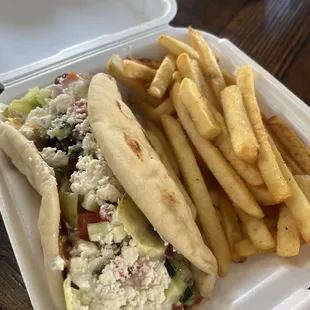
246,180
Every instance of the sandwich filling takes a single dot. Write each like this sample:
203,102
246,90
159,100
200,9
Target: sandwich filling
110,255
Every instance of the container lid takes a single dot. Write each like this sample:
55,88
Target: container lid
35,32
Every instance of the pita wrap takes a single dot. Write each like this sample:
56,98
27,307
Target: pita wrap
140,171
25,156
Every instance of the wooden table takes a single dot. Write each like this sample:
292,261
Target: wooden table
275,33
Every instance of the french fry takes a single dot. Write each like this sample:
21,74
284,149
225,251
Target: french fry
208,62
266,160
291,163
303,182
262,195
288,236
218,215
231,226
152,63
176,76
189,68
249,172
257,231
146,109
199,192
229,78
158,147
241,134
298,150
163,77
215,196
166,107
297,202
136,70
222,171
246,248
244,230
271,218
116,69
200,114
177,47
164,142
271,222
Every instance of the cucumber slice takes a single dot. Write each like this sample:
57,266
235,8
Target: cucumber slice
170,269
59,174
97,231
22,107
69,208
141,230
189,296
42,95
182,271
61,132
19,108
178,269
175,291
89,203
65,185
31,96
68,293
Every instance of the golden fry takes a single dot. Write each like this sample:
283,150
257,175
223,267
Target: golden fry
146,109
189,68
297,203
298,150
262,195
176,76
166,107
215,196
163,77
231,226
303,182
218,215
249,172
208,62
291,163
177,47
288,236
116,69
241,134
164,142
246,248
257,231
158,147
200,114
136,70
266,160
152,63
199,192
229,78
222,171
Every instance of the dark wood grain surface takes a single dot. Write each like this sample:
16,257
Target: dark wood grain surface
275,33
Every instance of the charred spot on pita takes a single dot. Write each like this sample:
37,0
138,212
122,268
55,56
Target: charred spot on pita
168,198
134,145
118,105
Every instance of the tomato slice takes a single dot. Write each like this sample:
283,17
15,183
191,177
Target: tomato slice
72,76
179,307
86,218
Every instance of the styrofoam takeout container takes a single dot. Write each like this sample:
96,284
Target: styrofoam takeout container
44,39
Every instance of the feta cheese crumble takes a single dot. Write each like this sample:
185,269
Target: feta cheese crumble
54,158
59,263
107,280
93,176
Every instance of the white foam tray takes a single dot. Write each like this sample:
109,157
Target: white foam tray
263,282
